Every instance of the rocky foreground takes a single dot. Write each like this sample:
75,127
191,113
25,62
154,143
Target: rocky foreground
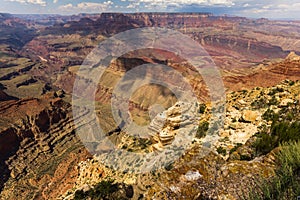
230,169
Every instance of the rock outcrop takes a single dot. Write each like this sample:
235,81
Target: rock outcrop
38,148
229,169
165,126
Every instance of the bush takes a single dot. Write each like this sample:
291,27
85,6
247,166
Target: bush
202,129
291,83
285,131
202,108
105,188
221,151
235,148
264,143
100,191
280,132
245,157
285,128
80,194
275,90
285,185
273,101
270,115
259,103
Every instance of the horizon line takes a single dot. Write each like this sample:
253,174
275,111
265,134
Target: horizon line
154,12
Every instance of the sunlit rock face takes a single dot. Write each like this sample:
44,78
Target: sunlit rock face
177,119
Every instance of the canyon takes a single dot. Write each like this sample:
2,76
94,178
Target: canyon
42,157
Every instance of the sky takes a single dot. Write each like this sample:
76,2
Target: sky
272,9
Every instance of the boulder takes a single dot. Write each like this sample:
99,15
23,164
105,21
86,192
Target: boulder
250,116
285,102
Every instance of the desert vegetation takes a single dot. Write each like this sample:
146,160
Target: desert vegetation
285,183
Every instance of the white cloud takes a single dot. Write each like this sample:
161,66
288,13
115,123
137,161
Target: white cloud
221,2
134,5
247,8
87,7
188,2
66,6
290,7
55,1
37,2
282,9
164,4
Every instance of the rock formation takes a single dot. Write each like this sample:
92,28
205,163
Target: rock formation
165,126
38,148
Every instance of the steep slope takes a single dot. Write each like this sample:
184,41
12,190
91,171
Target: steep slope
38,148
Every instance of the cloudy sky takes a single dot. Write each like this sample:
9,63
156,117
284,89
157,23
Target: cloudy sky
280,9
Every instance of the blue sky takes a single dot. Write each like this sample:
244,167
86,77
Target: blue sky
280,9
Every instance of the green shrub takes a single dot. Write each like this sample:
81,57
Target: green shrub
202,108
264,143
202,129
285,184
270,115
275,90
259,103
273,101
100,191
245,157
80,194
235,148
221,151
105,187
291,83
280,132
